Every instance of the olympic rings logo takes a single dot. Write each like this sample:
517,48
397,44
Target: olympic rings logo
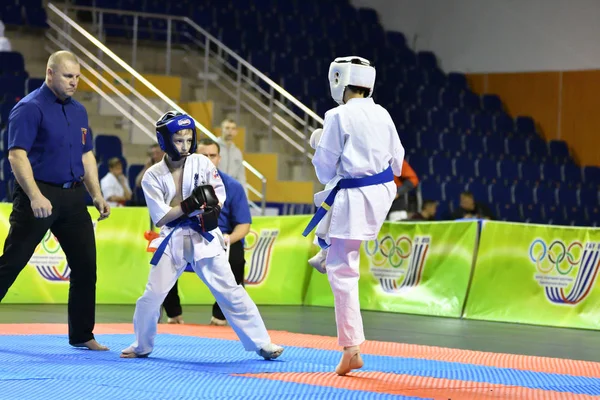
556,254
389,250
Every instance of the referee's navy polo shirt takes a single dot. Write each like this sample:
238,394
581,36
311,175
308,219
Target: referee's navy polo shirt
54,134
235,211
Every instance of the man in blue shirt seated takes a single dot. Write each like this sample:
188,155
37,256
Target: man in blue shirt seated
234,222
49,144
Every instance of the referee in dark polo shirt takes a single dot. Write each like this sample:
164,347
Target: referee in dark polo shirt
50,154
234,222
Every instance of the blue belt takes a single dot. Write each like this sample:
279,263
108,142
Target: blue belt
348,183
193,223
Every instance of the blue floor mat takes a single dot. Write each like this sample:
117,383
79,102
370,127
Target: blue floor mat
187,367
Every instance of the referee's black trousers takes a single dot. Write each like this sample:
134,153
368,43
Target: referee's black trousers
72,225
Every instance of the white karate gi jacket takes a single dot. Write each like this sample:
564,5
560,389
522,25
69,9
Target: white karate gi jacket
359,139
159,191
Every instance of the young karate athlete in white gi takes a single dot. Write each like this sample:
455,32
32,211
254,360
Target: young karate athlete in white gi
356,157
184,194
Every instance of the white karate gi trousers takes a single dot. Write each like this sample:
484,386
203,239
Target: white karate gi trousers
239,309
343,272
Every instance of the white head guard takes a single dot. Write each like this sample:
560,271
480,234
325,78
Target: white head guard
354,71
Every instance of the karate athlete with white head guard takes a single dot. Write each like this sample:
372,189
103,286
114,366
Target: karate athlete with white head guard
356,156
184,194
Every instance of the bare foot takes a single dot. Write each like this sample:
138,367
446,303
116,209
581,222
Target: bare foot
176,320
217,322
351,359
92,345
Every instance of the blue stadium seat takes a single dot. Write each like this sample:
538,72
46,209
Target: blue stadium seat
427,60
508,170
430,190
509,212
107,146
567,197
452,191
500,193
487,168
474,145
33,84
555,215
12,64
461,120
572,173
495,145
552,172
545,195
395,39
441,165
439,119
537,147
480,191
503,123
4,139
6,170
5,109
420,165
36,17
12,89
132,173
451,143
533,213
483,122
530,171
588,197
11,14
464,167
457,80
450,98
435,77
516,148
522,193
471,101
591,174
559,148
524,125
593,215
428,97
491,103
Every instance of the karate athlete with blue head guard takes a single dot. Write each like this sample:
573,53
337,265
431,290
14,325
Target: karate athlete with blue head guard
184,194
357,154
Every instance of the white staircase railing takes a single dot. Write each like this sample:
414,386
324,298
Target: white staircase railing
135,107
279,112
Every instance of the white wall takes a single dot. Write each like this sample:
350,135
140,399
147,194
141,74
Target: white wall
498,35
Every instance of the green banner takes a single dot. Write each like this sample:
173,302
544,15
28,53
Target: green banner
121,257
536,274
276,268
417,268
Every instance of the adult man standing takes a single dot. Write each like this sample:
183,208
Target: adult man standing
50,154
234,222
231,156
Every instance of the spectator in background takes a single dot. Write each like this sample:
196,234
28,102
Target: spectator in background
4,42
231,156
428,211
155,154
404,183
114,185
469,208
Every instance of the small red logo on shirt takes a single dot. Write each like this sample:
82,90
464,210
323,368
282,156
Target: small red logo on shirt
83,135
216,174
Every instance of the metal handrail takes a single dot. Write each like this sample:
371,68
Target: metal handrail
211,38
158,93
